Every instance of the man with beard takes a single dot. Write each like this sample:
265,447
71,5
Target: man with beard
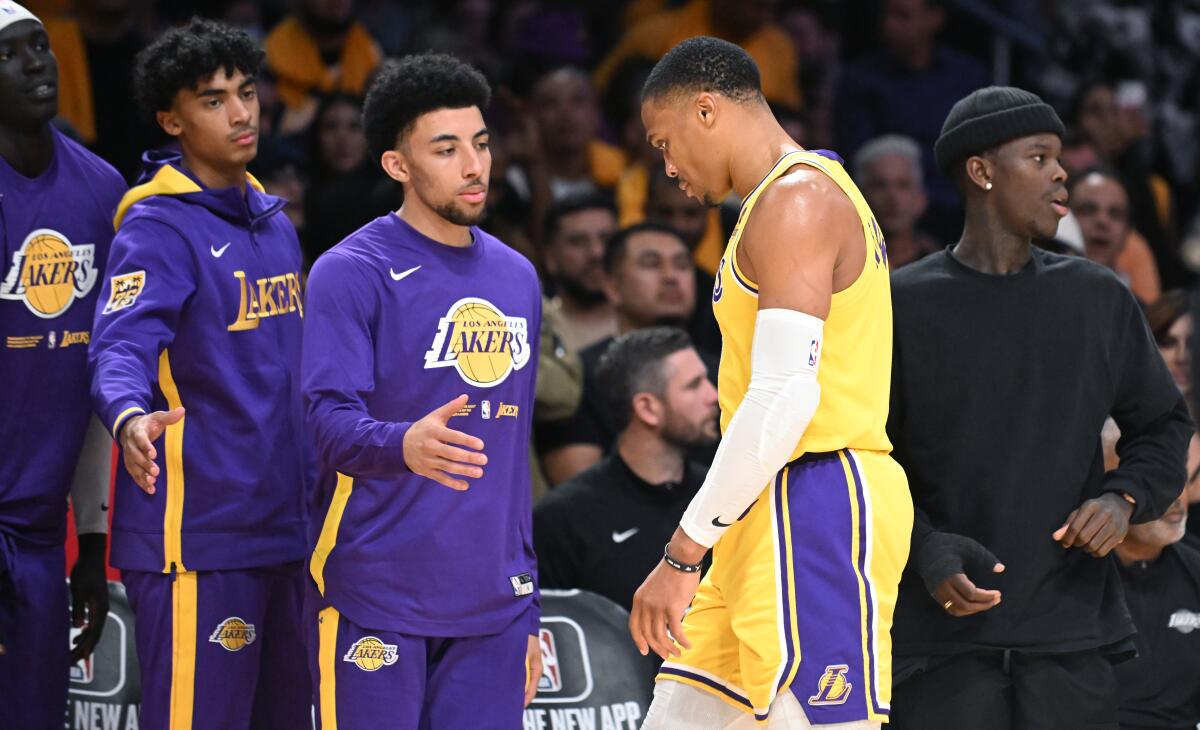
1008,360
420,356
649,280
603,529
576,231
56,203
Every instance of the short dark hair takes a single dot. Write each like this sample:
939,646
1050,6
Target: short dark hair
571,204
614,247
180,58
632,364
405,89
705,64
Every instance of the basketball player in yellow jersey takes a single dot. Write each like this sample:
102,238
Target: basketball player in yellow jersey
807,514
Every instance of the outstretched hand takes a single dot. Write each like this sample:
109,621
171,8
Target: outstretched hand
137,439
430,448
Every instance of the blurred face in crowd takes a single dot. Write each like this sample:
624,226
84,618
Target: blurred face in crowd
575,254
687,130
444,163
1175,349
689,401
1078,157
1167,530
669,205
652,282
1100,122
564,105
739,18
28,77
286,183
216,122
1102,209
894,191
340,137
910,26
1029,194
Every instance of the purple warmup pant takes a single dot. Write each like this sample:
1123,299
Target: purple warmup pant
221,649
371,679
35,631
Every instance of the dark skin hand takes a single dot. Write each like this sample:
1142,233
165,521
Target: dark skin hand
1098,526
964,597
89,594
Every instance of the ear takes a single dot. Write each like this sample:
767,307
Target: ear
396,165
170,122
706,108
648,409
980,171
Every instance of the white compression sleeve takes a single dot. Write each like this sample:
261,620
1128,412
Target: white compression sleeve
89,487
779,403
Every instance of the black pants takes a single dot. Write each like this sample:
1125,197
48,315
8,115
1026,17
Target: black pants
1007,690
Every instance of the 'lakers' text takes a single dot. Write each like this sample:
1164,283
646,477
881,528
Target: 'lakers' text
269,296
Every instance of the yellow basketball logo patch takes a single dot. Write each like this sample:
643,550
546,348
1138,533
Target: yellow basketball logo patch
233,634
370,654
48,273
125,290
477,340
832,688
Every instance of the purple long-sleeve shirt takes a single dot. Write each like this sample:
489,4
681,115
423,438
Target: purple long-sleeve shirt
397,325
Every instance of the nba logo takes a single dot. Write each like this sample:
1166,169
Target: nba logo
486,407
812,353
551,680
82,671
50,340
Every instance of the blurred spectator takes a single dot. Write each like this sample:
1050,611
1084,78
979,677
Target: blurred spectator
908,87
466,29
1170,320
888,171
748,23
700,227
319,49
280,168
603,529
341,196
649,282
564,108
1100,205
815,27
1160,574
95,49
576,231
395,26
558,389
1119,138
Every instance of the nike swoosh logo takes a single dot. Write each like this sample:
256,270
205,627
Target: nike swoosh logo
218,252
620,537
402,274
718,523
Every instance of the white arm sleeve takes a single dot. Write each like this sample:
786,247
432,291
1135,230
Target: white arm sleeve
780,401
89,486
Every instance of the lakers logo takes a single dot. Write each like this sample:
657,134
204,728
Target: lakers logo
48,273
370,654
832,688
233,634
718,289
477,340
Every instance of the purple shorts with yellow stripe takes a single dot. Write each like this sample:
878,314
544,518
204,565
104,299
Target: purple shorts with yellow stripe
802,590
221,649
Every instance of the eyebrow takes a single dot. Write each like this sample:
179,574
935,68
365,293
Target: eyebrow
455,138
214,91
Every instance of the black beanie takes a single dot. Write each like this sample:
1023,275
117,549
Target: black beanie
989,117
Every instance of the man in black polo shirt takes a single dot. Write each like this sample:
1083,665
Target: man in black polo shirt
1007,361
605,528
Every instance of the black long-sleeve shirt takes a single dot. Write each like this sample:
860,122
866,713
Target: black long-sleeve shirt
1001,384
1161,688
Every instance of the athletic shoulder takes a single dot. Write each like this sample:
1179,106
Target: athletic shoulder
922,271
499,252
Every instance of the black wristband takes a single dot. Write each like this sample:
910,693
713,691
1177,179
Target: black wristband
684,567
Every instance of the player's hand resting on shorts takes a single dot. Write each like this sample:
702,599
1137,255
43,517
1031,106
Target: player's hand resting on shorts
1098,526
137,445
942,564
430,450
656,621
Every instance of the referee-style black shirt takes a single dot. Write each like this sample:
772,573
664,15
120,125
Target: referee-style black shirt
1161,687
604,529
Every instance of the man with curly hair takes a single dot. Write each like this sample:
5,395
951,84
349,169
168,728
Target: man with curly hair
419,363
196,369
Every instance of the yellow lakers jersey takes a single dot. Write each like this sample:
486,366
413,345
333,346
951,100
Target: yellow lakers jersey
855,373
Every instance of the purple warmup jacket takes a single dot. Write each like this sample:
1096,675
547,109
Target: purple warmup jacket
55,231
202,308
398,324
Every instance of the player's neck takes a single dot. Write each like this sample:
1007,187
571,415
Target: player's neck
652,459
29,153
431,225
215,177
1130,552
988,247
757,151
